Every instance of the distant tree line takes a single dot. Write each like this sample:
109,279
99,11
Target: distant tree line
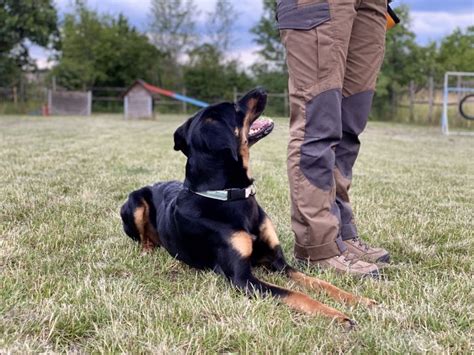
23,22
94,50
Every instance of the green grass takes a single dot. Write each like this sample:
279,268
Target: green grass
72,281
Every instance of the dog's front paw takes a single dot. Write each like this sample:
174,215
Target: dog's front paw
349,324
370,303
146,251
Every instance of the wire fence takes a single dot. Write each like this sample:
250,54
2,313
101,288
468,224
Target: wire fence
412,104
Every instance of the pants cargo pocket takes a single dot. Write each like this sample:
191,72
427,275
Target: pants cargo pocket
301,15
306,35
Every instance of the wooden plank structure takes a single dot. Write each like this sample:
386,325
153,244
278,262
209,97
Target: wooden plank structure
138,101
140,96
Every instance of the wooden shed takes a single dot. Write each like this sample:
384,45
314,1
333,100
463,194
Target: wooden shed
138,100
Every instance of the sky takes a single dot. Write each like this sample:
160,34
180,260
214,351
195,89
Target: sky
431,20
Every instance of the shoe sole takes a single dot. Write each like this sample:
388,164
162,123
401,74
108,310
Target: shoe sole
384,259
372,275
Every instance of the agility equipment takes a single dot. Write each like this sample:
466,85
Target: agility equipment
462,110
156,90
66,103
454,89
138,99
138,103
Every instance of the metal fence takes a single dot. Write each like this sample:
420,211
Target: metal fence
421,104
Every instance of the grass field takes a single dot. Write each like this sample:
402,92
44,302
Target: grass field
72,281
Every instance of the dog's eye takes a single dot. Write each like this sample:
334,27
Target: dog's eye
237,108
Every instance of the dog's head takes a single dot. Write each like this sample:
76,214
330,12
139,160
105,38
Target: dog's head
216,139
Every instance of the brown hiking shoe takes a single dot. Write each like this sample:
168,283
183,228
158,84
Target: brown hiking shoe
349,263
365,252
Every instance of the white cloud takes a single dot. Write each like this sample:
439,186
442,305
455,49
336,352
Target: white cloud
246,56
434,25
41,56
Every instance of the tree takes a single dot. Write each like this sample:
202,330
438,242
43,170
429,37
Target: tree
268,38
456,52
23,22
172,26
404,61
103,51
271,72
208,77
220,25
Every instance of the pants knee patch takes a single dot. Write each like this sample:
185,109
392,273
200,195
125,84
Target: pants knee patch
355,112
323,130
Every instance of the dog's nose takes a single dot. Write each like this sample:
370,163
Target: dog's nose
261,91
258,93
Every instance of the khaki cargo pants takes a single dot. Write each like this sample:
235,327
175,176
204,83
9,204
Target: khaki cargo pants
334,52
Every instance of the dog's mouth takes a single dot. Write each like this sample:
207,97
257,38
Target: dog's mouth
253,104
259,129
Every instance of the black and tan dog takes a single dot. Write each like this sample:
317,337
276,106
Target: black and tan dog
213,220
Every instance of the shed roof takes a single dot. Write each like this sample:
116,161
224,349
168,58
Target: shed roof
152,90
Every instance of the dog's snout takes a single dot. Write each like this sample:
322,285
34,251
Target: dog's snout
261,94
261,91
254,103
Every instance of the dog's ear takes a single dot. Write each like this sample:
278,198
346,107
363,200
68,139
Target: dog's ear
219,139
181,137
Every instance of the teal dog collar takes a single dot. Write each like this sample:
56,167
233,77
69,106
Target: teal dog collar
229,194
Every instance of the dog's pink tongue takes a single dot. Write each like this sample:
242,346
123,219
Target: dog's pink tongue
260,129
259,124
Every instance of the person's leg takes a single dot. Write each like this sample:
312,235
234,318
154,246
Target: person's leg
316,56
365,56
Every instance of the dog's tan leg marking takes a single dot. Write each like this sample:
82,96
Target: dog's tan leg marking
242,243
334,292
148,235
269,236
303,303
268,233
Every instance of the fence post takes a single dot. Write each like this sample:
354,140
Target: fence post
185,104
459,85
15,96
287,113
412,101
235,94
430,99
89,103
50,102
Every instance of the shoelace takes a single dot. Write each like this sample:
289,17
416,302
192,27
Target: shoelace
349,258
361,243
